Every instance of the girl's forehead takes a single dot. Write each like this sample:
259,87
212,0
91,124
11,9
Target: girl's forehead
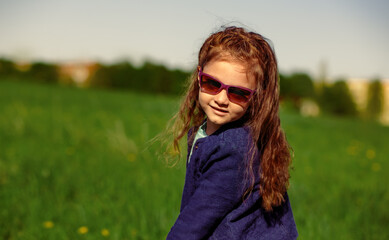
247,65
228,65
230,71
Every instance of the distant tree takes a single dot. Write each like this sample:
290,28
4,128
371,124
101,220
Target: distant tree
159,79
122,75
150,77
374,99
179,80
296,87
102,77
284,86
302,85
7,67
337,99
43,72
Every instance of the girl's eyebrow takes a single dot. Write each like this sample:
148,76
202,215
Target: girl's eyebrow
232,85
212,76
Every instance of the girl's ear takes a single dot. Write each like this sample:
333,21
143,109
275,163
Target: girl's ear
198,71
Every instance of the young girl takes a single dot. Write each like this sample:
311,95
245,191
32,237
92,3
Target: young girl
238,157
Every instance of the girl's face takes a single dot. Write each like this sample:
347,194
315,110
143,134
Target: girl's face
218,108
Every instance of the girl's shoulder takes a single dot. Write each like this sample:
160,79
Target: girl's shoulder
234,135
228,133
226,149
232,139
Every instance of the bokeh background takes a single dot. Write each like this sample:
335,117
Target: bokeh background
86,85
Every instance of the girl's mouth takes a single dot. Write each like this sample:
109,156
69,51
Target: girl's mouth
219,110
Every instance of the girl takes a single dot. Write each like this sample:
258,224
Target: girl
238,157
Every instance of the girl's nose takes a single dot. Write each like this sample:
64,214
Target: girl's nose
221,98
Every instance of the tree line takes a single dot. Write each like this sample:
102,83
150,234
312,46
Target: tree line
334,98
150,78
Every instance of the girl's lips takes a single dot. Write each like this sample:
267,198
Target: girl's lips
219,110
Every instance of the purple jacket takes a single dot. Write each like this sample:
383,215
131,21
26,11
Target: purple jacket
212,206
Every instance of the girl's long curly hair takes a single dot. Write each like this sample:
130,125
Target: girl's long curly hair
253,51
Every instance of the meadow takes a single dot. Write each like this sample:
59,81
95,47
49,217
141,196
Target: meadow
78,164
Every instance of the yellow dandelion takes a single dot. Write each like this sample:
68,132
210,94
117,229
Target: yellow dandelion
131,157
375,167
370,154
352,150
105,232
70,151
48,224
83,230
133,232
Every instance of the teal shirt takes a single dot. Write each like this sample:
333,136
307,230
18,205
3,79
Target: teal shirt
200,134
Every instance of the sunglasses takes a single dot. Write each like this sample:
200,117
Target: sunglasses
211,85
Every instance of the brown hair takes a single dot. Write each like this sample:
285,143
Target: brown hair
262,117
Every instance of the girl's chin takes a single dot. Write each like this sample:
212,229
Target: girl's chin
214,124
218,120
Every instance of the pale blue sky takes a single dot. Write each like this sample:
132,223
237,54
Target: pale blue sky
352,37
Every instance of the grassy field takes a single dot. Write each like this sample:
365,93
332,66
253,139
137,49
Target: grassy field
75,164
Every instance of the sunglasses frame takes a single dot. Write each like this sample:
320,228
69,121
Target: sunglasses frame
224,86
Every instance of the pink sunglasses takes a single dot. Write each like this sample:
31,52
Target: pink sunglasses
235,94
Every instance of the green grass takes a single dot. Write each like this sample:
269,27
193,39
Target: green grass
77,158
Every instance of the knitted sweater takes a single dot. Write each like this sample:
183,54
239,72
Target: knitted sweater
212,205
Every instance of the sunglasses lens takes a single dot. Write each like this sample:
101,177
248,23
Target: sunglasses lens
238,95
213,86
209,85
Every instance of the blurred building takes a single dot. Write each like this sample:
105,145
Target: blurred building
77,72
359,89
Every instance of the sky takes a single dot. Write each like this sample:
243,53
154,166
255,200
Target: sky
343,39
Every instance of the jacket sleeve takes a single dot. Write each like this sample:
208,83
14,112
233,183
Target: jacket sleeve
216,195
